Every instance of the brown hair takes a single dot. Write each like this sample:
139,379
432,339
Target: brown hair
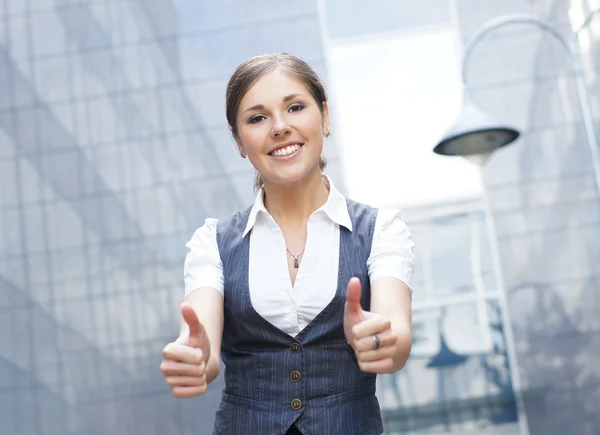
250,71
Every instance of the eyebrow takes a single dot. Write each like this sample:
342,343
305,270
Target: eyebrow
261,107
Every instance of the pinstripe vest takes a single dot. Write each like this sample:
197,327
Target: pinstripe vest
274,380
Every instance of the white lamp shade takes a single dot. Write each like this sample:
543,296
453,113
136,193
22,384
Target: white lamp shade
475,133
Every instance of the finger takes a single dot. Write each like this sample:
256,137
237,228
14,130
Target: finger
353,297
376,355
374,325
174,368
191,318
188,392
184,354
386,339
186,381
381,366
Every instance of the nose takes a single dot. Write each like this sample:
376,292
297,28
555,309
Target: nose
280,127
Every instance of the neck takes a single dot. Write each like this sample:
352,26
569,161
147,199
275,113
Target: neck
292,204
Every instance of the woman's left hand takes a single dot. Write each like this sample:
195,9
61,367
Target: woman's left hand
370,334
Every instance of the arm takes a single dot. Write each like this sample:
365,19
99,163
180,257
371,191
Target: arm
391,298
203,274
191,362
391,266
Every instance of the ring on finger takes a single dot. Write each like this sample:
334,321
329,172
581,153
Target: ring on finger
376,342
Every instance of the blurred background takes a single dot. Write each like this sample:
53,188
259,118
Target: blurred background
114,148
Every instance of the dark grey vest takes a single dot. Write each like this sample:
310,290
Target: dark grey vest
273,380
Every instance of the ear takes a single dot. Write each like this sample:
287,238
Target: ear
325,118
241,149
238,143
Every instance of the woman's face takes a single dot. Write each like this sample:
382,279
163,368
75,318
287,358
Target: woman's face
280,128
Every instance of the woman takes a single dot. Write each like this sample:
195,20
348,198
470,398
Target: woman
305,295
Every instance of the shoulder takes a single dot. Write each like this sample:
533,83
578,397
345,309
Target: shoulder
388,216
392,250
236,220
360,213
382,217
359,207
203,266
204,235
391,231
231,229
214,225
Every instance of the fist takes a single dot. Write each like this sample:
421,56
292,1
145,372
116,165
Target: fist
184,360
369,334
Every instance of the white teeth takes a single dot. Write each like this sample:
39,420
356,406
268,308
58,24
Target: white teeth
287,150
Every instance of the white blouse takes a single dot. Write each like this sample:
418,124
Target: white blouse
291,308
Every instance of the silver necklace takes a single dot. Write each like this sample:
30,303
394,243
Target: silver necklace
295,257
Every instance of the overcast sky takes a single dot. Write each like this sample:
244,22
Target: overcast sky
393,97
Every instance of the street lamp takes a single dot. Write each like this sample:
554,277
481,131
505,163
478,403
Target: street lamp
475,135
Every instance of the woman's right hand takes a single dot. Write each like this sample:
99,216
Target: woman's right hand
185,359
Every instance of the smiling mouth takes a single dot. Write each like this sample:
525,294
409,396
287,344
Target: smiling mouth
285,151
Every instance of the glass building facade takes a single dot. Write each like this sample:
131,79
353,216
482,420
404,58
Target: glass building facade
546,205
114,149
546,209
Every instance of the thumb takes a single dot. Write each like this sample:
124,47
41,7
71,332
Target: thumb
191,318
353,297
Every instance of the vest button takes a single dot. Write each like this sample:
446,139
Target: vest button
295,347
296,404
296,376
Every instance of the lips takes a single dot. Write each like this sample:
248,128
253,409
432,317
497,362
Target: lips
285,150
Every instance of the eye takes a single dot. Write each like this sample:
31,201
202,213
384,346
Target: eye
295,108
256,119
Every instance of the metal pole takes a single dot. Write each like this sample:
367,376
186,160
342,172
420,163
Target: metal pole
511,350
584,103
572,49
502,21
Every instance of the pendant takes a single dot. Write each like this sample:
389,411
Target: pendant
296,262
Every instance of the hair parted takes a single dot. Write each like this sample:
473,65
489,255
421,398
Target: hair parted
250,71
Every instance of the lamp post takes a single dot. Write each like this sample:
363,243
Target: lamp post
475,135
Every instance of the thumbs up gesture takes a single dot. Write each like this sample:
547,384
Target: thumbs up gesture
369,334
185,359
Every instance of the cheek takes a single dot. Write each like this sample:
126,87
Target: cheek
314,126
251,139
317,123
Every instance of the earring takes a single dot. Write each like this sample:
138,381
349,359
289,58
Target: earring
243,154
326,132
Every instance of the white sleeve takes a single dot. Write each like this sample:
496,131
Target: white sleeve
203,266
392,250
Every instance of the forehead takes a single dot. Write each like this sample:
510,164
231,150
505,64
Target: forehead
272,88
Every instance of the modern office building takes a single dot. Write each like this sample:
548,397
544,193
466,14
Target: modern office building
113,150
547,207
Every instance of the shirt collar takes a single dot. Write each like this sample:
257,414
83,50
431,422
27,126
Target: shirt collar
335,208
258,207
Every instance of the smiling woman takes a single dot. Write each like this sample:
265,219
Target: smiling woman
289,70
304,295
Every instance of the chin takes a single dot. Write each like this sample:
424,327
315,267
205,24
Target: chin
288,177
